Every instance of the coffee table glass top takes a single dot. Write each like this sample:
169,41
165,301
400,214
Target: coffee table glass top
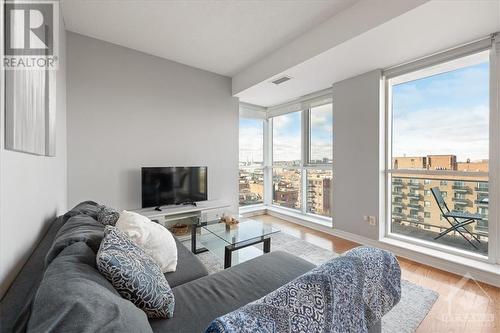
246,230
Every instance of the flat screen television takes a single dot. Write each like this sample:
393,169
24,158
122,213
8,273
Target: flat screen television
163,186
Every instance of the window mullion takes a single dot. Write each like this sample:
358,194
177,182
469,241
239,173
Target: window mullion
305,157
268,161
494,176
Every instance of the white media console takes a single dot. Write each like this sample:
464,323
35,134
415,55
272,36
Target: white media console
169,215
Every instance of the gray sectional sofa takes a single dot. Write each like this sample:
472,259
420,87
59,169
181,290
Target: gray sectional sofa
60,289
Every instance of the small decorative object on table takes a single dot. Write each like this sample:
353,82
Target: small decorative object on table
180,229
229,220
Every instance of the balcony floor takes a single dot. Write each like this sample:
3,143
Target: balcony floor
450,240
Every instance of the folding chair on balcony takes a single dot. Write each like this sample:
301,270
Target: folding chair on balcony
457,219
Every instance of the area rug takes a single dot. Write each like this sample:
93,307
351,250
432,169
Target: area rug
406,316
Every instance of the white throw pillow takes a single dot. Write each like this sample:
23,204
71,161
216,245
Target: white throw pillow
153,238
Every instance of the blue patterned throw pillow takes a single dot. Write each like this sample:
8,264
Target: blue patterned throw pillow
134,274
107,215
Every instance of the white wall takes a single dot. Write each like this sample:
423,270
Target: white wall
127,109
32,188
357,153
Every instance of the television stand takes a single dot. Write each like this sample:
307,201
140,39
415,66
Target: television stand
169,215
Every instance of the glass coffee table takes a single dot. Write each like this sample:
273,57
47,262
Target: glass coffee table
219,237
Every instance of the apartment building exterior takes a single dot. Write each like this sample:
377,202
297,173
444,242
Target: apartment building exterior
413,204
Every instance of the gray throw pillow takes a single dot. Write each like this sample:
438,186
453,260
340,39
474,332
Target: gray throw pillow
107,215
134,274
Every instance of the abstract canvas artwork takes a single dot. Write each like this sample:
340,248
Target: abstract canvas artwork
30,111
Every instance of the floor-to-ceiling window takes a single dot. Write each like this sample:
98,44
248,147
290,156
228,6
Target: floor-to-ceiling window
439,153
287,160
251,161
302,157
320,154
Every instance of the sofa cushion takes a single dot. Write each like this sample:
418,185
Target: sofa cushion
74,297
212,296
78,228
189,267
15,306
134,274
86,207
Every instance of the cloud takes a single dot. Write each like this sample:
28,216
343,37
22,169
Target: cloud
286,137
461,132
446,113
321,119
251,141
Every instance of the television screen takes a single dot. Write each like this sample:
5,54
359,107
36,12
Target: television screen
173,185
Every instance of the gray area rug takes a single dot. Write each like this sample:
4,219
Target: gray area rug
406,316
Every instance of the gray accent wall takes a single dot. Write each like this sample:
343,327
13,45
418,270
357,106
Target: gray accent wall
358,159
33,189
127,109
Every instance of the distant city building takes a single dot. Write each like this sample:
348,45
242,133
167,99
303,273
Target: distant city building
413,204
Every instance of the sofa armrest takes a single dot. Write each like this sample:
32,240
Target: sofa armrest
350,293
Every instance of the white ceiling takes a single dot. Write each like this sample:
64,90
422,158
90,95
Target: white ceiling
223,37
431,27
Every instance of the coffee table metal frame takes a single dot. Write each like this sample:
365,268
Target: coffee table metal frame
229,249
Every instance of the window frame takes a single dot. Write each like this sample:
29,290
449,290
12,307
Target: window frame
491,44
304,165
247,111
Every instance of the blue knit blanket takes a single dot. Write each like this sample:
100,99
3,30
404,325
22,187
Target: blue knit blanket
347,294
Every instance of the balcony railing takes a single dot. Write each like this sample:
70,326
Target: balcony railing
461,188
466,193
461,201
481,202
414,196
482,189
414,218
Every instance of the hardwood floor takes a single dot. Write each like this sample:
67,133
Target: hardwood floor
463,305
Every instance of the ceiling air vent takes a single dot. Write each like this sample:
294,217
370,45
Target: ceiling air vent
280,80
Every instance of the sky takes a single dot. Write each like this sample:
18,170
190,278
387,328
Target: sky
443,114
286,136
251,140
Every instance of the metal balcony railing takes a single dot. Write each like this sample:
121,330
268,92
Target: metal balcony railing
482,189
481,202
461,201
414,218
414,196
461,188
398,215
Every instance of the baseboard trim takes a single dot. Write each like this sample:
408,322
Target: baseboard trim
487,273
